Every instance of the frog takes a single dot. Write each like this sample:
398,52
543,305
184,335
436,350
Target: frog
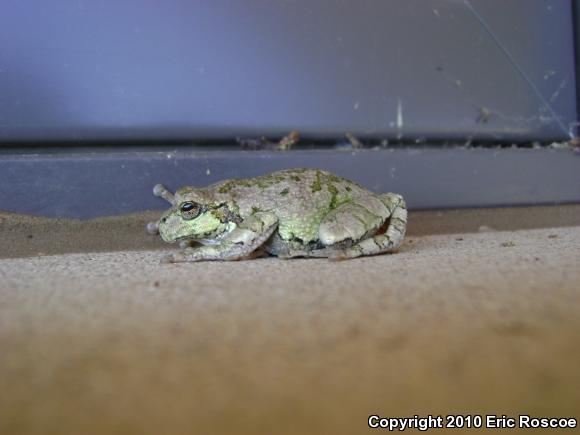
302,212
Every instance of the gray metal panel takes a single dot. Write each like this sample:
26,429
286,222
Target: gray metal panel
146,69
576,28
91,185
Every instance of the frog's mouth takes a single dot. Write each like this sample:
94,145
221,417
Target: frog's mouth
174,229
171,231
183,239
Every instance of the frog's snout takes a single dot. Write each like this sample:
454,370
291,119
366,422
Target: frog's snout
171,228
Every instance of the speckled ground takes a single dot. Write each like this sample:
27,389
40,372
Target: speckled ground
116,343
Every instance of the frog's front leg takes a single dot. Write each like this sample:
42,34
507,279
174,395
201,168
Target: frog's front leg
241,242
161,191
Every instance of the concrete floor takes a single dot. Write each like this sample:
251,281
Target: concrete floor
116,343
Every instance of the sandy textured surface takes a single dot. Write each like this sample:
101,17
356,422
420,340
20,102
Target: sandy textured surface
23,236
116,343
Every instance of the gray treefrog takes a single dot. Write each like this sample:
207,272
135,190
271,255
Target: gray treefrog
290,213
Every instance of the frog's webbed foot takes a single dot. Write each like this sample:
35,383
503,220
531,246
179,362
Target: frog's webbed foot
161,191
240,244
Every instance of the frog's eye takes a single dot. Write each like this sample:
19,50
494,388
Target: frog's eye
189,210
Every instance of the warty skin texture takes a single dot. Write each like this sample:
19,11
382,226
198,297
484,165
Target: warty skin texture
290,213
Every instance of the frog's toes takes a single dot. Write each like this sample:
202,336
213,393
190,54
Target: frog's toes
158,189
177,257
161,191
337,256
166,259
153,228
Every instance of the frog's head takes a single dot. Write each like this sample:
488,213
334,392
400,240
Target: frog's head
195,216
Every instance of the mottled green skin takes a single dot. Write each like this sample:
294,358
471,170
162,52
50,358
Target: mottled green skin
309,212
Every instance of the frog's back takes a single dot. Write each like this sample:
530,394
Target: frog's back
300,198
289,189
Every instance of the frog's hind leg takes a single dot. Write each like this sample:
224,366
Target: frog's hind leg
343,227
351,222
388,241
